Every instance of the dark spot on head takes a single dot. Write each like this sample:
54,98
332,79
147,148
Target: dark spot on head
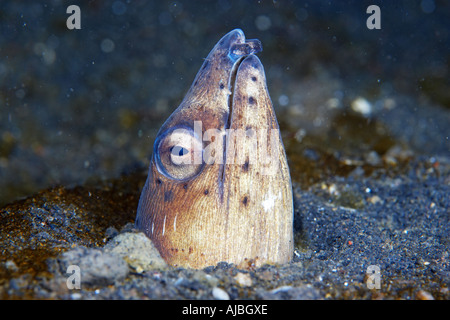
206,192
245,200
245,166
222,86
251,100
168,196
249,132
185,186
253,78
158,181
191,250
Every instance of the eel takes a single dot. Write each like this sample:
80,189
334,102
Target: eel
218,187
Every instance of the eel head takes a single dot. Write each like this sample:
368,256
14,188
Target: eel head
218,187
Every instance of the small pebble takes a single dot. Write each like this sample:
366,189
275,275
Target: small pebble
424,295
243,279
137,250
373,158
220,294
362,106
11,266
281,289
75,296
375,199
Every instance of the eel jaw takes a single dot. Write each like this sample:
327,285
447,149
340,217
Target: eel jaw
237,52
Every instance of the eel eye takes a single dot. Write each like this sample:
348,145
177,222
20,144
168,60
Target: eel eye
179,154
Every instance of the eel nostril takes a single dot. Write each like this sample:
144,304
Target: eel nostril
239,50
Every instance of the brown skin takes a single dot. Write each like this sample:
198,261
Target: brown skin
236,209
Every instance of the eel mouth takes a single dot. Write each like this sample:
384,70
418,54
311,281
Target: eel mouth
237,53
